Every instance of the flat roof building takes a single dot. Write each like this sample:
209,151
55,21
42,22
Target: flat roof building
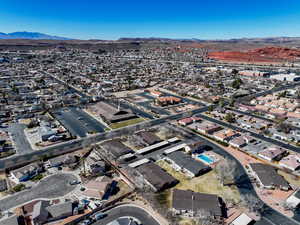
156,177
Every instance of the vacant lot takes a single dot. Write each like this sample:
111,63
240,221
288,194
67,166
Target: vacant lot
126,123
207,183
292,179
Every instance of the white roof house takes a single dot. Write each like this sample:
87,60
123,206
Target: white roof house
242,219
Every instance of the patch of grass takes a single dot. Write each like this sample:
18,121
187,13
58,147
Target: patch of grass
19,187
292,179
207,183
6,154
37,177
126,123
163,198
187,221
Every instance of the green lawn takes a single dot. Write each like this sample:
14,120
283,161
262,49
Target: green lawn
126,123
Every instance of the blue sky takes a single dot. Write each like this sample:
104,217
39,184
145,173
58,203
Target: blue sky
111,19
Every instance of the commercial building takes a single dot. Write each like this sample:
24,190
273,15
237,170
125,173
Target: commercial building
292,77
112,114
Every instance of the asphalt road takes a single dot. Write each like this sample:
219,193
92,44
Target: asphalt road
128,211
51,187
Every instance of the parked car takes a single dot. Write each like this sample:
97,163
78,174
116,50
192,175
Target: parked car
99,216
86,222
74,182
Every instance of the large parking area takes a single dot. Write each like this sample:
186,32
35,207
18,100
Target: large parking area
78,122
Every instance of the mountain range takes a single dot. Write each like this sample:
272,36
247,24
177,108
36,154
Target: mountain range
30,35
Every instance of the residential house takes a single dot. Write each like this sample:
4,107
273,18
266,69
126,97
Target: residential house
116,148
188,120
291,162
59,211
149,137
272,153
97,188
183,162
268,177
39,214
208,128
62,160
226,135
188,203
156,177
238,142
94,165
242,219
25,173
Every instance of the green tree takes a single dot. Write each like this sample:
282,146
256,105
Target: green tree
231,103
221,103
234,71
229,117
210,108
237,83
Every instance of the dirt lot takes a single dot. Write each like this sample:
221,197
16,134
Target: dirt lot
126,123
294,180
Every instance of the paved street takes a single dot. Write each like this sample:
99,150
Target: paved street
128,211
51,187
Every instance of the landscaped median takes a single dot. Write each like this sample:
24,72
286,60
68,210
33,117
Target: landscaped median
126,123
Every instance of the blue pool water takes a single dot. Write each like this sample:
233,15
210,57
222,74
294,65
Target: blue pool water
206,159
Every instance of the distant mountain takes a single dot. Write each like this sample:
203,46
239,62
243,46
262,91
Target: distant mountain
30,35
267,40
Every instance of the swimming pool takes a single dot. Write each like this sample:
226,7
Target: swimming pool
206,159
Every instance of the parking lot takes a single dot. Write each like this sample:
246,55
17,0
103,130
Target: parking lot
19,139
78,122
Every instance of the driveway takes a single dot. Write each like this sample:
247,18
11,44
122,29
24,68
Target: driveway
51,187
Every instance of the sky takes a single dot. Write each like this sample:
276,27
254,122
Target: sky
113,19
